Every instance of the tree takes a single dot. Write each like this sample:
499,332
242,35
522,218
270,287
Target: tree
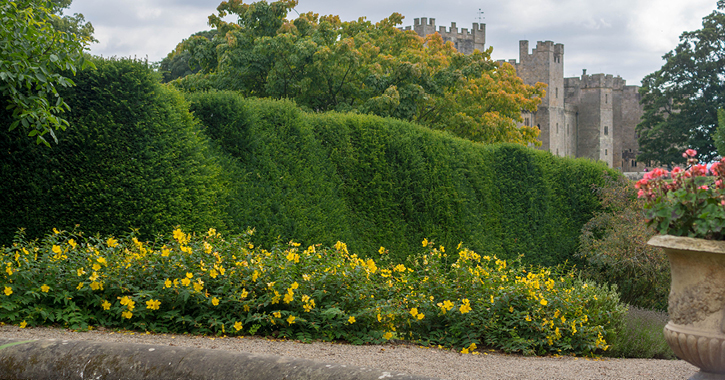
324,64
682,98
34,59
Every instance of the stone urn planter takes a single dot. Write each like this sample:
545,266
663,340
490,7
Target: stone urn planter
696,330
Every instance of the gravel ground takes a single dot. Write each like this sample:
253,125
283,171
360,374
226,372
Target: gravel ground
443,364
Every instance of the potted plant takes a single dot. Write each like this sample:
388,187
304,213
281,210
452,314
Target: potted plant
687,208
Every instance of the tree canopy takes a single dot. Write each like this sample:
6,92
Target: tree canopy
324,64
37,48
682,98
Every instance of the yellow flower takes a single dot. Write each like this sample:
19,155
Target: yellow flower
237,325
213,273
420,316
153,304
304,277
425,242
288,297
96,285
80,286
189,275
96,267
45,288
23,324
351,320
291,319
106,305
185,281
387,335
215,301
199,285
101,260
55,231
127,314
294,285
544,302
414,311
56,249
464,351
277,314
93,277
465,307
72,243
165,251
167,283
111,242
244,293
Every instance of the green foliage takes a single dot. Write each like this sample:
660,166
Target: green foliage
34,53
682,98
134,159
193,55
641,336
614,245
368,180
206,284
324,64
719,137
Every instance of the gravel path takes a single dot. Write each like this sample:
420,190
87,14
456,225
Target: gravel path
411,359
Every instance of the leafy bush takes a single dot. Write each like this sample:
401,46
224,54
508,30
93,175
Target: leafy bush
323,177
132,158
211,285
614,245
641,336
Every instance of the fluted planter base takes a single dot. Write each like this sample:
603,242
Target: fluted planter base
696,330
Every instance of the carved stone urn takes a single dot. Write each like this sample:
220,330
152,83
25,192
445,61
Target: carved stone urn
696,330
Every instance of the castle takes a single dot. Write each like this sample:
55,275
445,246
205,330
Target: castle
592,116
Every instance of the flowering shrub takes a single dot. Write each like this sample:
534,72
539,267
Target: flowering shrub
211,285
690,204
614,245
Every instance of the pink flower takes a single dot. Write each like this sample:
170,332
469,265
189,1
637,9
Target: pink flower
703,187
640,183
722,202
641,194
689,152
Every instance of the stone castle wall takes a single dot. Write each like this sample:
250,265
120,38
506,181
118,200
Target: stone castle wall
464,41
592,116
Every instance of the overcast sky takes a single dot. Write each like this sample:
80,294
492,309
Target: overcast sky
619,37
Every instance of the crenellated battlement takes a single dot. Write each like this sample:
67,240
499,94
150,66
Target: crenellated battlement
465,40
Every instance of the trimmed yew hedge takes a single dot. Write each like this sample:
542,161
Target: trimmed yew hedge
135,157
132,157
372,182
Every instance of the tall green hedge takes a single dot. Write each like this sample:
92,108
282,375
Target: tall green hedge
132,157
371,182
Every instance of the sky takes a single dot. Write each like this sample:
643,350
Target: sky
619,37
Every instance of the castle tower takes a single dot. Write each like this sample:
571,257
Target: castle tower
592,98
464,41
627,113
545,64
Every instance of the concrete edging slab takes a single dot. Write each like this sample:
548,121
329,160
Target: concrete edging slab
78,359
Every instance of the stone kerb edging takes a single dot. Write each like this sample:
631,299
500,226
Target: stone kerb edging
77,359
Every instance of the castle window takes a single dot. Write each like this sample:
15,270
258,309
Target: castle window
606,98
567,129
557,128
605,152
526,121
557,92
557,151
606,130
